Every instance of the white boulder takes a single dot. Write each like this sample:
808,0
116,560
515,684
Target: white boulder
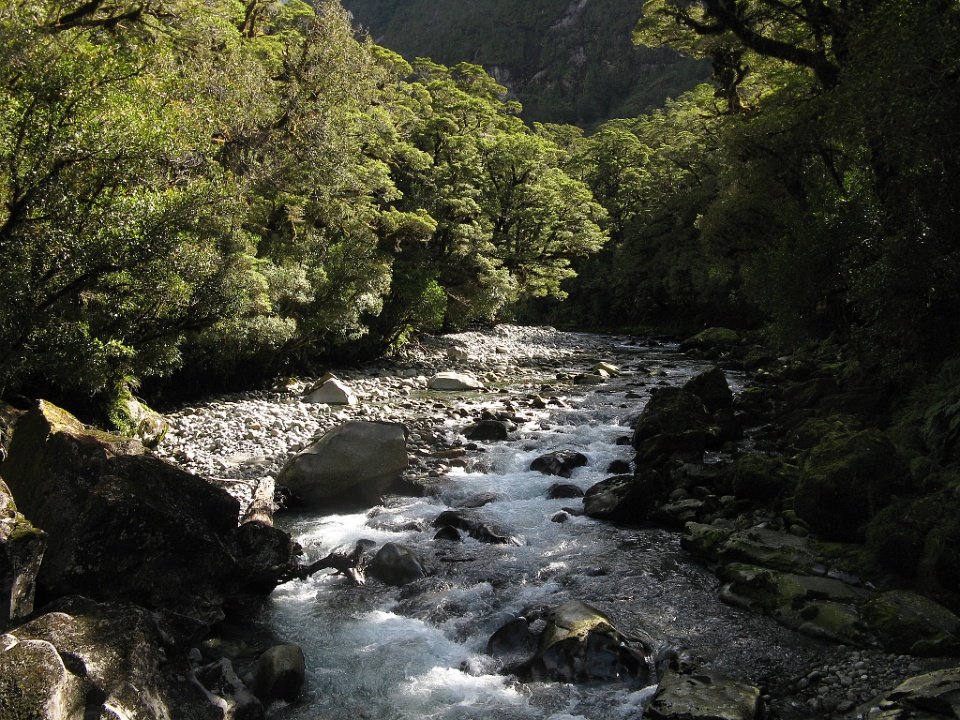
454,381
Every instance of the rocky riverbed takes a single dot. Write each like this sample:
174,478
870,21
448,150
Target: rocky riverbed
526,373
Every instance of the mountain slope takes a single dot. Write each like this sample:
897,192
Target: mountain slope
567,61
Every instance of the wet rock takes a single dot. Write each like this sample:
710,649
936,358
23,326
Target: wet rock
910,623
396,564
477,500
487,431
114,651
352,464
453,381
331,391
130,527
476,527
279,674
703,695
580,644
624,498
448,532
712,389
21,551
564,490
561,463
923,697
619,467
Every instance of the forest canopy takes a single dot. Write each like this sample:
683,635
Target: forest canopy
216,189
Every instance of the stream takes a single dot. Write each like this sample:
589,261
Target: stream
385,653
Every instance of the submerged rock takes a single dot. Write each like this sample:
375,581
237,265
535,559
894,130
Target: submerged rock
397,564
352,464
561,463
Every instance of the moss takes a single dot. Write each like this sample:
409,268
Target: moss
897,534
713,337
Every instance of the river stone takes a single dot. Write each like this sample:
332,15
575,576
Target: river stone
561,463
279,674
21,551
624,498
487,431
453,381
130,527
115,651
580,644
396,564
332,392
563,491
477,527
352,464
928,696
703,695
35,684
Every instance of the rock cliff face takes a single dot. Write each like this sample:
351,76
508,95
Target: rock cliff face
567,61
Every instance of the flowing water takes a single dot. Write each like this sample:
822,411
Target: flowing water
387,653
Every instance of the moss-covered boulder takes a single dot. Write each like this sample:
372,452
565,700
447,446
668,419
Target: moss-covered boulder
125,526
712,388
844,481
36,685
712,340
910,623
896,536
132,417
21,551
674,425
761,478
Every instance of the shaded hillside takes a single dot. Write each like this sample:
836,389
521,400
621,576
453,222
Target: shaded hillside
568,61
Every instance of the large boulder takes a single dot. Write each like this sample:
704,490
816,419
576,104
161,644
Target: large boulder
91,659
279,674
476,527
352,464
703,695
844,481
625,498
674,424
21,550
125,526
712,389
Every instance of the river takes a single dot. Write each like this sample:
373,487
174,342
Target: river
385,653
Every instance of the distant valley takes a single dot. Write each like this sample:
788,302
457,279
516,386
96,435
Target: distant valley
566,61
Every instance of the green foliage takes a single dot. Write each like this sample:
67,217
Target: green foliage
932,414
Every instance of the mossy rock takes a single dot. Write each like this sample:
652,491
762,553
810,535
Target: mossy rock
810,431
673,424
910,623
133,418
844,481
769,549
704,541
714,338
939,571
760,477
